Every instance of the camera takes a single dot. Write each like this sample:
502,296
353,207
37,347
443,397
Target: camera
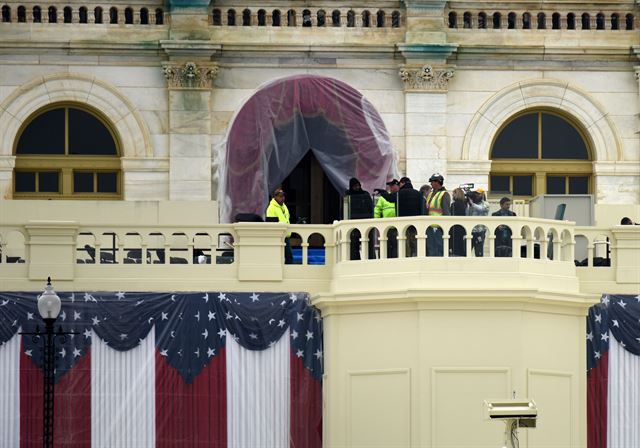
468,187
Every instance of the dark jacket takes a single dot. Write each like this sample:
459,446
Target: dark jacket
503,213
360,204
410,201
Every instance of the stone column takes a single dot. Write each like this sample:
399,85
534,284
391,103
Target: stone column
7,163
190,129
425,120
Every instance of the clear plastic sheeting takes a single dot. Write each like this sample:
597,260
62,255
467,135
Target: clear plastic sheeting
286,118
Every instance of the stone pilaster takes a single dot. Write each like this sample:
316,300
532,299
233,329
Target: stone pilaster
7,163
425,120
189,87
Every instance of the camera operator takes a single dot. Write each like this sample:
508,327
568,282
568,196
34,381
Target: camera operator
478,206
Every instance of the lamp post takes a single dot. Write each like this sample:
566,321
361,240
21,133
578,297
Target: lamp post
49,305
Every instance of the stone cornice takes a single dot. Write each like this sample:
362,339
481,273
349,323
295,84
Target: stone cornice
426,78
189,75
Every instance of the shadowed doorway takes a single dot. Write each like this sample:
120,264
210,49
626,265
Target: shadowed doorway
311,198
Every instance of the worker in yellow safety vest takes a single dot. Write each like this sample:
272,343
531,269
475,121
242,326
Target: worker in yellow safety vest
278,209
386,208
438,204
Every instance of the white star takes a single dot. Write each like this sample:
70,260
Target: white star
293,297
222,297
149,320
164,316
205,333
120,295
597,355
206,297
123,336
197,352
638,298
164,352
283,303
87,297
172,334
173,297
222,333
63,352
211,315
272,343
590,336
317,317
15,323
28,353
256,298
235,338
87,333
318,354
615,323
4,302
76,315
605,300
29,316
604,336
210,352
622,303
139,302
299,353
294,334
271,321
299,316
229,315
95,320
76,352
72,297
63,316
598,318
253,336
281,323
197,316
623,344
309,335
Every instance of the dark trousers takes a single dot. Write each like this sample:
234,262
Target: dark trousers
288,253
477,241
435,246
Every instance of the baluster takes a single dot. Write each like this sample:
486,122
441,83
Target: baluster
543,248
119,258
402,245
445,243
3,253
590,249
344,247
516,241
98,249
305,251
490,238
190,246
530,247
556,249
383,247
421,241
167,250
468,240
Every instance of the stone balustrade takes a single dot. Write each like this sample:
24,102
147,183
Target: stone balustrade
120,14
541,20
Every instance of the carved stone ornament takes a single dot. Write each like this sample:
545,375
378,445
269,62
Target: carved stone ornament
426,78
189,75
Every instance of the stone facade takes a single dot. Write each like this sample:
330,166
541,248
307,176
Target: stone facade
170,80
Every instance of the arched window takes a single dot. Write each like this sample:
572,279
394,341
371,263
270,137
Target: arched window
67,151
22,14
466,20
366,19
542,21
144,16
6,14
216,17
629,22
540,152
526,21
231,17
306,18
395,19
615,21
482,20
335,18
555,21
600,21
37,14
291,18
66,14
262,17
113,15
322,17
97,15
511,21
275,17
571,21
159,16
246,17
453,20
351,18
586,21
380,19
83,16
53,14
128,16
497,20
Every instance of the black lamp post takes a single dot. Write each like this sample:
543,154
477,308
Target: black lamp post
49,305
